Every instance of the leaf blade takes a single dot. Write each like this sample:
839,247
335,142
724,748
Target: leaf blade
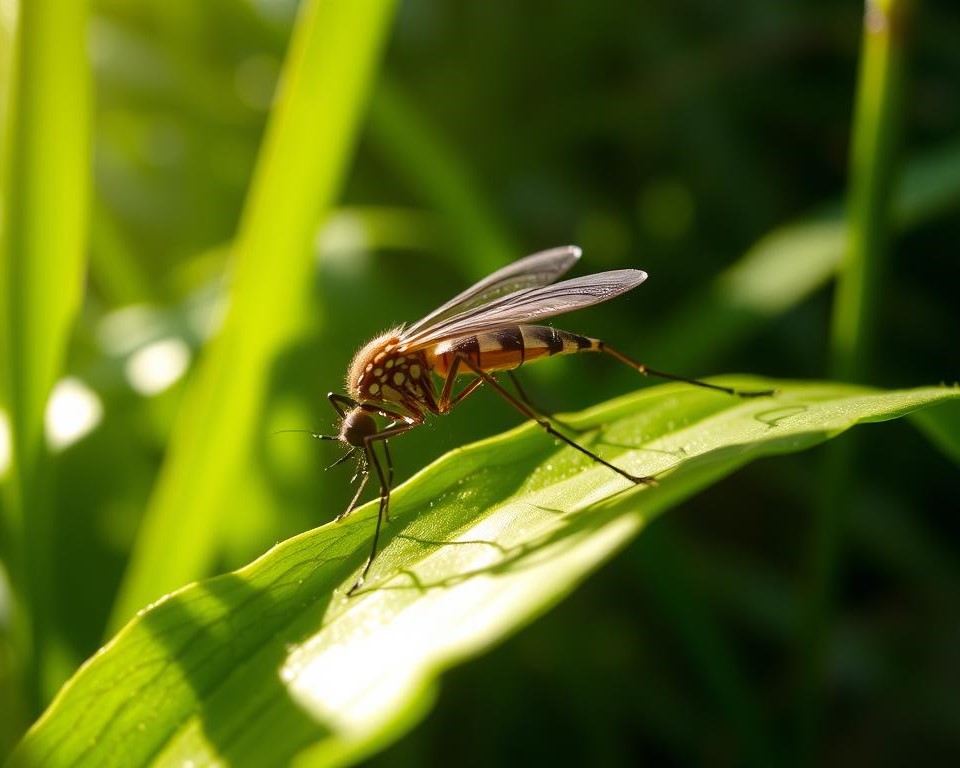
483,540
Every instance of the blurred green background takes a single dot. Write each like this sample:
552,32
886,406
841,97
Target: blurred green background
672,137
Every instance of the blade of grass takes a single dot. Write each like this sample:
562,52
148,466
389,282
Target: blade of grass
310,136
273,663
859,289
8,35
869,204
46,185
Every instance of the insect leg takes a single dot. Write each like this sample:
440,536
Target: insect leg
446,403
386,451
387,414
384,511
342,459
341,403
384,504
364,476
549,428
647,371
464,392
526,399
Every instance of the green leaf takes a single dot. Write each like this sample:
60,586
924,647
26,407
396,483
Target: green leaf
273,662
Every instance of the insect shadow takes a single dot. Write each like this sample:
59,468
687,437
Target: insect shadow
513,559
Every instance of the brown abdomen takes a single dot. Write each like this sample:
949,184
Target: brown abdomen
508,348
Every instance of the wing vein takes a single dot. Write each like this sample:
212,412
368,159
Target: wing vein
526,306
538,269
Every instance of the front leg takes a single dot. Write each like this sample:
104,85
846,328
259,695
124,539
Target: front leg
365,475
386,480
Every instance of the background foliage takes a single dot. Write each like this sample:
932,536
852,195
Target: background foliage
690,139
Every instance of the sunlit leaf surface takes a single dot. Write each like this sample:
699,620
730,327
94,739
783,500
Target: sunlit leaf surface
273,662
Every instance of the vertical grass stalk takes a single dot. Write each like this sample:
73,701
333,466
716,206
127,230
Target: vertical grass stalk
310,137
46,188
872,175
859,291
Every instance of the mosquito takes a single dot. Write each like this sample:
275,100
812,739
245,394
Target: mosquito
409,372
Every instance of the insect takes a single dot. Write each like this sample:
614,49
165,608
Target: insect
410,372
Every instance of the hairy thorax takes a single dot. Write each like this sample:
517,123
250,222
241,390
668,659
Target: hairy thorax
384,372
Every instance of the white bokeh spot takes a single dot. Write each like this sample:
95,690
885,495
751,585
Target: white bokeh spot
156,366
73,411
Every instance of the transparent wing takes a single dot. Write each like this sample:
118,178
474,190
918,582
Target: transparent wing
530,305
532,271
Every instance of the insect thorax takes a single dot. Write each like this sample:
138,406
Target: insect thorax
383,372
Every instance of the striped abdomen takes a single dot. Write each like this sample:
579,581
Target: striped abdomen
507,348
